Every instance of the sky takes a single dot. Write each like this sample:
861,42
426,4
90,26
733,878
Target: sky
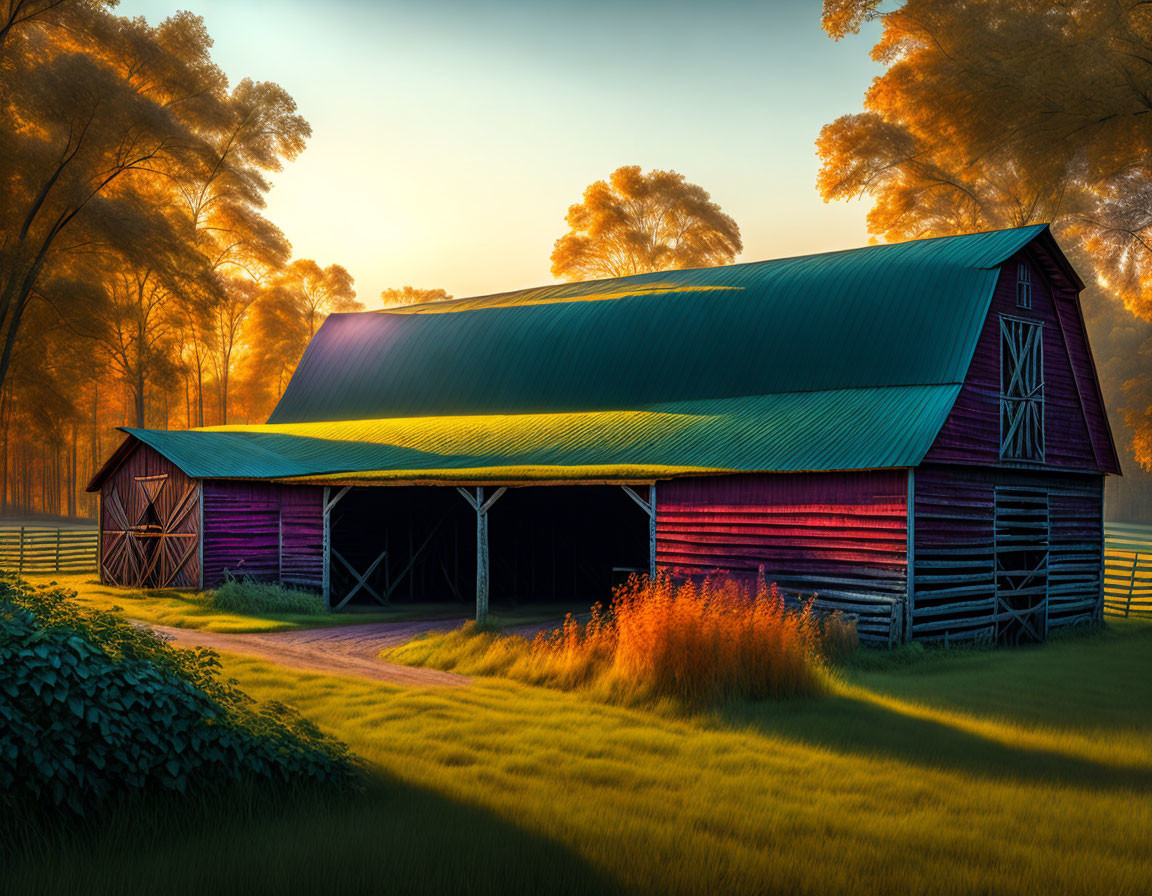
449,138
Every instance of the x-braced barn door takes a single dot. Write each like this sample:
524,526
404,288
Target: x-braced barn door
1021,564
147,542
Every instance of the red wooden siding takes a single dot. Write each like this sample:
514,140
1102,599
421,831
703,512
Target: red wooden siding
842,535
157,549
244,523
954,555
971,434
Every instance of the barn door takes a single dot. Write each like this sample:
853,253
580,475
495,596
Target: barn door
146,542
1022,536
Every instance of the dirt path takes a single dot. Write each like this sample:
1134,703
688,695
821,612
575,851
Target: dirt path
342,649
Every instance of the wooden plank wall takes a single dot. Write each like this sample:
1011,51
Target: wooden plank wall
842,535
971,433
244,522
954,532
126,559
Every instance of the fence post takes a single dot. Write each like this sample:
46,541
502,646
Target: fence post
57,550
1131,584
20,564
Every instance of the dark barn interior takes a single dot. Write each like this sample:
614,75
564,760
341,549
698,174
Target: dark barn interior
547,544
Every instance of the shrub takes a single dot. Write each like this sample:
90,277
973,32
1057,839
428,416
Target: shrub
93,709
696,643
250,596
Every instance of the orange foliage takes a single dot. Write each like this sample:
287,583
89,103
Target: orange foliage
695,642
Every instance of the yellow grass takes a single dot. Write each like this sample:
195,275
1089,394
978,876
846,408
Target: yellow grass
195,609
693,643
999,772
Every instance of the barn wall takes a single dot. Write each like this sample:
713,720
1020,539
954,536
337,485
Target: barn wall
171,561
954,555
245,522
842,535
971,433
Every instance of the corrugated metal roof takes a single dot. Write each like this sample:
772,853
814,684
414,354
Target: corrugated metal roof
848,360
846,429
903,314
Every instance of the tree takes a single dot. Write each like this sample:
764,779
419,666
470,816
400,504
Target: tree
91,107
636,223
315,292
1004,113
410,295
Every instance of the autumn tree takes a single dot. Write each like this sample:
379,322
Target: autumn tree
91,107
1005,113
636,223
315,292
410,295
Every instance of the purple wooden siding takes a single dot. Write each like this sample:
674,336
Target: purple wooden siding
1076,519
954,556
842,535
242,531
1084,370
302,522
971,434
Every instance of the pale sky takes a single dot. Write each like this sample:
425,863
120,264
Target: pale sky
449,138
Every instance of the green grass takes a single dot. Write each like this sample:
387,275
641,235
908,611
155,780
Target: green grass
196,610
978,771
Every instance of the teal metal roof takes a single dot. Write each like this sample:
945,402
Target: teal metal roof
891,315
846,360
787,431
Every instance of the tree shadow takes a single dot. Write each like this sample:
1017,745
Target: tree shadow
870,729
391,838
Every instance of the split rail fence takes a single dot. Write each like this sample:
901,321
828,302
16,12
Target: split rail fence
48,549
1127,570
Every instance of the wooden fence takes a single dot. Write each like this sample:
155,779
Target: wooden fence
1127,570
48,549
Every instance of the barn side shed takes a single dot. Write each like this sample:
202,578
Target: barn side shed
913,432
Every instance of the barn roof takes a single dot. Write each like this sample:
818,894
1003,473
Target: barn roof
844,360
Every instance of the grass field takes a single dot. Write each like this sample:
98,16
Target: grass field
194,609
1009,771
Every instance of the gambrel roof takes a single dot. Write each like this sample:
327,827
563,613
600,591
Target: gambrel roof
838,361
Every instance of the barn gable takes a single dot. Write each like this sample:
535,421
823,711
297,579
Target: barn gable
1075,432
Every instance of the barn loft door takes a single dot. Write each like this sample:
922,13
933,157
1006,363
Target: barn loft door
1021,390
1022,536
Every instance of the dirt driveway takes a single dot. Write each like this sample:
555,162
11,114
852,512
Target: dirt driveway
341,649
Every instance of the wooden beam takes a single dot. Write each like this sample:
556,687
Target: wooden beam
482,507
652,531
649,507
361,580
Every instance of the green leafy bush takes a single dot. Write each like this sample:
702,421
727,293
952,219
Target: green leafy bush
93,708
250,596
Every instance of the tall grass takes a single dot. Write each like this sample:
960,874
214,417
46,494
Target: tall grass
697,643
251,596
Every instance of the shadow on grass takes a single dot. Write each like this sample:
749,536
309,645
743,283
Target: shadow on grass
1095,684
392,838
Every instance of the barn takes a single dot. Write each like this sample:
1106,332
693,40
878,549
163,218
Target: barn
913,432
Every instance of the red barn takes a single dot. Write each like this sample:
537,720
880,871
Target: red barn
914,432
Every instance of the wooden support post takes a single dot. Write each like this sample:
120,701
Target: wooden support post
652,531
20,567
649,507
326,573
482,507
1131,584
